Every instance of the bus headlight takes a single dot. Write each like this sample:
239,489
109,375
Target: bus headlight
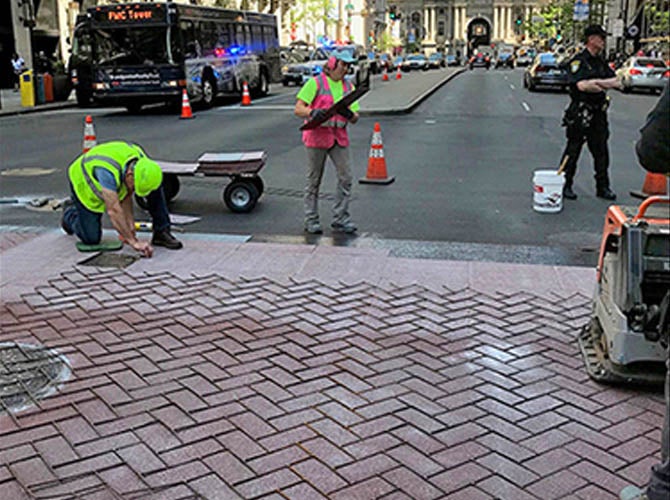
100,86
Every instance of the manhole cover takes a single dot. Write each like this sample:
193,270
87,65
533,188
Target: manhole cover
115,260
29,373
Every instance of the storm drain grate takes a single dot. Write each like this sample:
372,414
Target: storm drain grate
29,373
115,260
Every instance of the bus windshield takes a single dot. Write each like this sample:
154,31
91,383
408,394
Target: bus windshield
146,45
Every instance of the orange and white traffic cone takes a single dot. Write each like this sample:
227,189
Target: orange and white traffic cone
186,111
385,77
376,162
654,185
398,76
246,98
89,134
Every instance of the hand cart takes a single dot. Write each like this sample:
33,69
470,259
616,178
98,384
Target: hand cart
240,195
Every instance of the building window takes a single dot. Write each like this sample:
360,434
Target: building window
440,28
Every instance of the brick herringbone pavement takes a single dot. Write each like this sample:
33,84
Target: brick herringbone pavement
207,388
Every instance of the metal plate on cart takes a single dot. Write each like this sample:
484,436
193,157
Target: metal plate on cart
251,156
174,167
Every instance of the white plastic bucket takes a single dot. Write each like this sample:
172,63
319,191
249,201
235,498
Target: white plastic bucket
548,191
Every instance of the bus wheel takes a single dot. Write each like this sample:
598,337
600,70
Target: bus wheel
263,85
208,91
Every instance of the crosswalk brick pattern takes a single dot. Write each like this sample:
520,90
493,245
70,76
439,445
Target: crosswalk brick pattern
202,387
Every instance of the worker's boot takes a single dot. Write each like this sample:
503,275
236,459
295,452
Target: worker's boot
606,193
67,203
568,193
165,239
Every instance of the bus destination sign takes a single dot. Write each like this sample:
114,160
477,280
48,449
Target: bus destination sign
130,14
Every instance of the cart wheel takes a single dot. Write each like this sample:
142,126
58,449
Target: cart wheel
170,186
240,196
258,182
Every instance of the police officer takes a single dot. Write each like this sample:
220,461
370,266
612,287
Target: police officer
585,118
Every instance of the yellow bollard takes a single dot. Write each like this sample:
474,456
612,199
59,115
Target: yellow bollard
27,89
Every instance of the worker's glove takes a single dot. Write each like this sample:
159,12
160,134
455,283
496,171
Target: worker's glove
346,113
317,114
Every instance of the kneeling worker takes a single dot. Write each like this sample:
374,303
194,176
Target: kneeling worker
104,179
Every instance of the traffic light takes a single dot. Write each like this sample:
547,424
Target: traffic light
393,12
519,20
559,37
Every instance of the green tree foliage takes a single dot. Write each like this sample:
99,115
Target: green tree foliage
658,18
557,18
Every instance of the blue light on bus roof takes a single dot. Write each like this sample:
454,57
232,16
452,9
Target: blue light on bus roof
236,50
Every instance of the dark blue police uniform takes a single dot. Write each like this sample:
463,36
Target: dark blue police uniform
586,121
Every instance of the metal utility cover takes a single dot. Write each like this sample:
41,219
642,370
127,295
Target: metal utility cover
114,260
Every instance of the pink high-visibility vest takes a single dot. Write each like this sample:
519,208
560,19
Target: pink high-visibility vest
335,128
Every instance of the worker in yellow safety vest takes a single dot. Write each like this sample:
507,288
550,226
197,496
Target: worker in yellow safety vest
104,180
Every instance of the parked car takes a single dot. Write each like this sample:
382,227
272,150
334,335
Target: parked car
294,70
525,56
480,60
385,62
452,60
546,70
648,73
359,73
436,60
397,62
414,62
505,59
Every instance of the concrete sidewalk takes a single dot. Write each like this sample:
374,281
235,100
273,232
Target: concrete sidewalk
249,370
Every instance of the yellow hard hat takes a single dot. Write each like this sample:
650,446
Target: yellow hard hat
147,175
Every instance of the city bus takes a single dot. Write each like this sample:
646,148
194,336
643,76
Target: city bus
141,53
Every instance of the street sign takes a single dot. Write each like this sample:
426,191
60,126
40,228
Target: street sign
411,37
617,28
581,10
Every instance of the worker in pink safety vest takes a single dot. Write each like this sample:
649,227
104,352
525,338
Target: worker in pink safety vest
328,140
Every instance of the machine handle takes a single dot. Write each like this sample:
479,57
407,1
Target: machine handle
642,209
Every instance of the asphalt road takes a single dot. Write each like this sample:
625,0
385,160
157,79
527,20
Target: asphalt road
463,162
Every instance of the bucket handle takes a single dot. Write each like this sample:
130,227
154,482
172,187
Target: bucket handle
642,209
563,164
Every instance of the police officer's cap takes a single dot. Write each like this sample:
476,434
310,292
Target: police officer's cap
595,29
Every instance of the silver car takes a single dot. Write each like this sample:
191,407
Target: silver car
649,73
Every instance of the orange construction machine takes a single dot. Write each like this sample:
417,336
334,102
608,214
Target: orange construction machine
621,341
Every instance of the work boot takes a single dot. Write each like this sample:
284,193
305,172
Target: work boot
606,193
344,227
165,239
313,227
67,203
632,493
568,193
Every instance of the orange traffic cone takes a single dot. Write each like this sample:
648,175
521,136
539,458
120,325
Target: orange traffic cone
398,76
376,162
186,112
246,98
89,134
654,184
385,78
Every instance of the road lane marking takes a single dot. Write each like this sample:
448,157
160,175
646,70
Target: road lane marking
512,86
431,122
525,106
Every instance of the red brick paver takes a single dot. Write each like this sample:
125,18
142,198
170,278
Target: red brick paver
211,388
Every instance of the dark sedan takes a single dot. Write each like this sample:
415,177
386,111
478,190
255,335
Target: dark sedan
436,60
413,62
480,60
545,71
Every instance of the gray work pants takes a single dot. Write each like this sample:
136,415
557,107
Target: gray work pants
316,160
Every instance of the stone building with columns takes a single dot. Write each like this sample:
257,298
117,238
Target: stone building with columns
463,24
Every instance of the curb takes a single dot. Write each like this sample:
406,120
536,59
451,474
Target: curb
417,100
38,109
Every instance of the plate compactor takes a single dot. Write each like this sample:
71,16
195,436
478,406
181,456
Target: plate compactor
620,342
